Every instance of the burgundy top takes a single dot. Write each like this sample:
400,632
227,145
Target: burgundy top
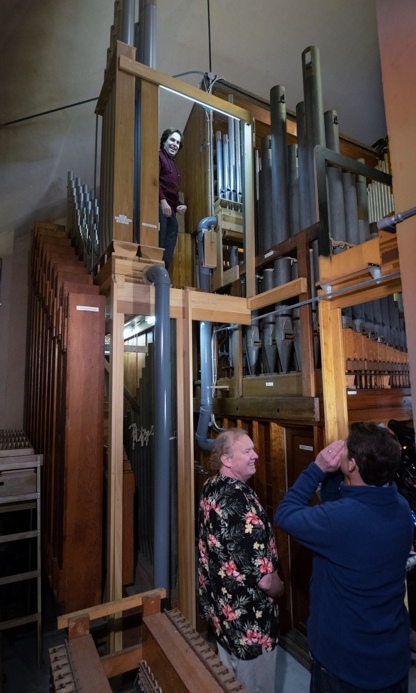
169,180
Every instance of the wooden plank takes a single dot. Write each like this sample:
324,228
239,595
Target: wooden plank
122,203
115,453
176,667
87,666
278,294
121,662
185,443
276,408
273,384
79,468
110,608
333,371
149,174
148,74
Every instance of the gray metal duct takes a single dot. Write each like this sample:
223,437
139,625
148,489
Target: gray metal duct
293,179
158,276
314,113
267,330
305,213
205,343
265,194
127,21
146,48
280,197
334,178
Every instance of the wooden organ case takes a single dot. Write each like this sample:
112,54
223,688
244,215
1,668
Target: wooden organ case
171,657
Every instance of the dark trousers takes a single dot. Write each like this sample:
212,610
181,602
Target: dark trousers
322,681
168,233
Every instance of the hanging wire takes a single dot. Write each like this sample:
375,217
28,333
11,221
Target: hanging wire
209,36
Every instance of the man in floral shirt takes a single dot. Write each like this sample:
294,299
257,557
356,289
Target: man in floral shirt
237,567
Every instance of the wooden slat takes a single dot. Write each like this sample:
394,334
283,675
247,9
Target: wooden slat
110,608
148,74
278,294
185,441
277,408
87,666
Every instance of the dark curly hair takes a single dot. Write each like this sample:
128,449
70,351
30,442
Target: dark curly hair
376,451
167,133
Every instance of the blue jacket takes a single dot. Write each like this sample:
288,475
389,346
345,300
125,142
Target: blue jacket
358,627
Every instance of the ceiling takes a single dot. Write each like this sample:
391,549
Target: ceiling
53,56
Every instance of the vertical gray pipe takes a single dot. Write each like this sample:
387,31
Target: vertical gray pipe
126,33
162,396
334,181
293,179
362,207
314,112
351,208
231,159
226,166
304,199
268,345
238,172
205,334
219,176
280,197
265,194
146,53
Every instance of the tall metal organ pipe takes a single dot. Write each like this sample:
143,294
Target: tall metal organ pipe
162,388
314,112
334,178
205,342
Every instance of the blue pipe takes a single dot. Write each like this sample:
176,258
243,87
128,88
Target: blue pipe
159,276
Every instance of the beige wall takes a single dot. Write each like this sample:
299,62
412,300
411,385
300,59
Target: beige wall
397,40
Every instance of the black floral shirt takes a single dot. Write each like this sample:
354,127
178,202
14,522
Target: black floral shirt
236,549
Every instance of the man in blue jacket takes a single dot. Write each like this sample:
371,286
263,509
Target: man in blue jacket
358,627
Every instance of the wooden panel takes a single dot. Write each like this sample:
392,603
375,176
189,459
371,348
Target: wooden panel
180,87
300,452
82,438
379,405
176,667
193,163
149,174
87,665
279,293
333,371
277,408
186,488
123,154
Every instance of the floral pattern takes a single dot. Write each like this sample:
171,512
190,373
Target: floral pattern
236,548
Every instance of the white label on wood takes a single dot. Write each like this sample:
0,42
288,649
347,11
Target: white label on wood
91,309
306,447
122,219
269,384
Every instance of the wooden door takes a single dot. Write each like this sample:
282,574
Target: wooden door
301,450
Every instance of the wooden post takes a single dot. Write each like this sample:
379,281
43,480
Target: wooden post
186,490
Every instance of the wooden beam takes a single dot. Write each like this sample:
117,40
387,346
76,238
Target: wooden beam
278,294
276,408
149,174
110,608
148,74
185,442
123,153
333,371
